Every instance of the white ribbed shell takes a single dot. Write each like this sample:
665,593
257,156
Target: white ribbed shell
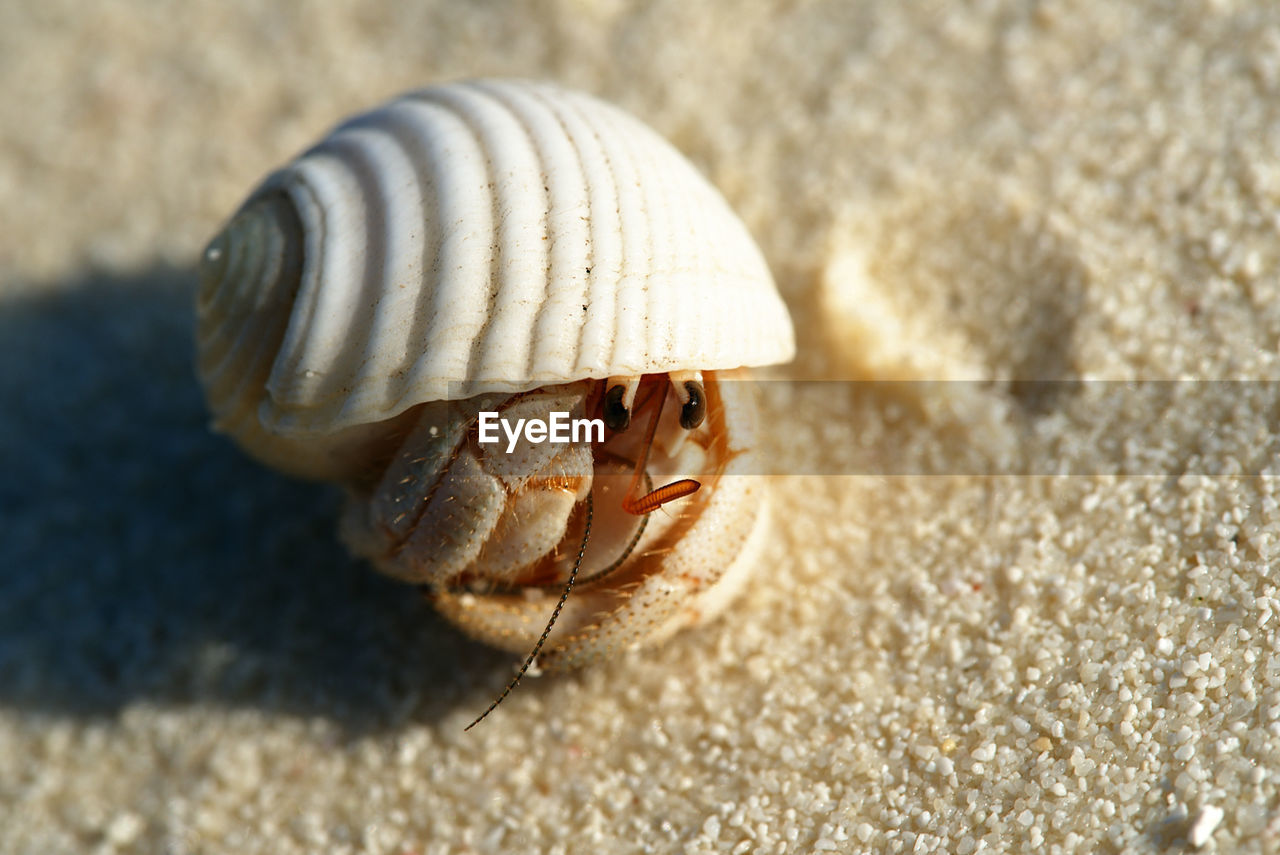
487,236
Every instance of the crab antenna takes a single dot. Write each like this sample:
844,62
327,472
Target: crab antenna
654,499
603,572
533,654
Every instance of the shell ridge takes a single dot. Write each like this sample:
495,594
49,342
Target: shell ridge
316,219
493,352
359,378
643,358
507,95
670,303
237,281
499,334
238,367
452,316
627,355
369,381
217,302
670,248
260,358
569,269
713,299
727,291
229,355
425,312
597,333
660,253
483,302
460,108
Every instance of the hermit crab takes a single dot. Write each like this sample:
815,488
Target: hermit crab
504,252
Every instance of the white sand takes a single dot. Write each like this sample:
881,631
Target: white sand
1086,189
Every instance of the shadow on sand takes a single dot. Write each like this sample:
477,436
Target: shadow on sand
143,558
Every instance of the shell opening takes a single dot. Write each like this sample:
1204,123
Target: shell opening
256,259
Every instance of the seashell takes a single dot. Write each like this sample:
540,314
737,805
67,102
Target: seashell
510,247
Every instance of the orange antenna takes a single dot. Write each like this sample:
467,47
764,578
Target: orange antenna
650,502
654,499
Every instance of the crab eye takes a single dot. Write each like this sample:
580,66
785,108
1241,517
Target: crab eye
695,409
617,416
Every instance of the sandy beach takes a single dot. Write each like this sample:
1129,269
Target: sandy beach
1020,593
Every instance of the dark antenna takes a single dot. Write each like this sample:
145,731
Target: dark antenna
603,572
573,574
